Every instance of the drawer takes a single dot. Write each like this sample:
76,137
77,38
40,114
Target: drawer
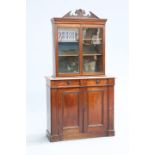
67,83
96,82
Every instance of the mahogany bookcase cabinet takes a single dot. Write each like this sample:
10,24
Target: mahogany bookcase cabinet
80,97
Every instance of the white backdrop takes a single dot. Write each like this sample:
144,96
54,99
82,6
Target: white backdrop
39,64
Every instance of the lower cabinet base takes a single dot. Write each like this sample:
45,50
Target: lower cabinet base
55,138
80,108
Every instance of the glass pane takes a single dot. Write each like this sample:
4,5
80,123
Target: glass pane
92,49
68,64
92,63
92,40
68,34
68,50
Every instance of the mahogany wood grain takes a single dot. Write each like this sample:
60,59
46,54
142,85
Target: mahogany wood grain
85,109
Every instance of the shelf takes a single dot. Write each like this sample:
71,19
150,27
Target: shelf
92,39
68,41
69,55
69,73
91,54
90,44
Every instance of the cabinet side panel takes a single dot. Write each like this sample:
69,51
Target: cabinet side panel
111,110
104,49
54,50
54,111
48,108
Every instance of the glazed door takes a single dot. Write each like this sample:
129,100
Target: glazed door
93,50
70,112
95,116
68,51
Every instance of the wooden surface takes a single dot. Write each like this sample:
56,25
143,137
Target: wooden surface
81,108
79,77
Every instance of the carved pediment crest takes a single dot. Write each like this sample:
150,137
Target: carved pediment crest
80,14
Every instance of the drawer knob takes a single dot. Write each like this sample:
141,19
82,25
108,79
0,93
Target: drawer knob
97,81
68,82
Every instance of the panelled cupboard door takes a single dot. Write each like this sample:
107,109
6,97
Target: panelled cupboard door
95,116
70,112
82,111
